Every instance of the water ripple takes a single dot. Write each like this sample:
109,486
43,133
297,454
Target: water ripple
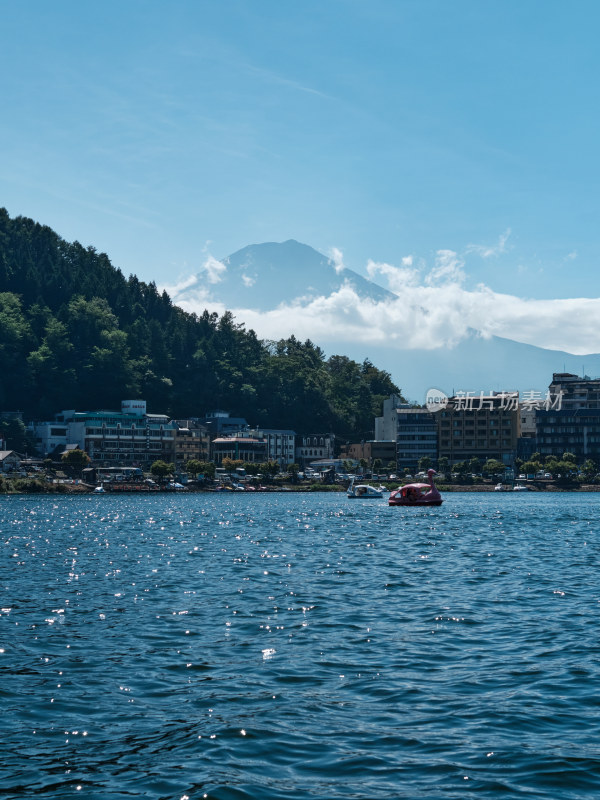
283,646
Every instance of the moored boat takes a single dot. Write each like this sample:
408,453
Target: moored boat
417,494
364,491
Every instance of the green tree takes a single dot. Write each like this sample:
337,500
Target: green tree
377,465
271,468
552,465
443,464
231,464
462,469
493,467
425,463
76,459
16,339
160,469
589,469
195,467
54,382
475,465
75,333
294,469
16,436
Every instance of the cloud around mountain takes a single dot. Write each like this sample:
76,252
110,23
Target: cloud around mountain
280,289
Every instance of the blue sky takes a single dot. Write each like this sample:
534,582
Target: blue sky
165,133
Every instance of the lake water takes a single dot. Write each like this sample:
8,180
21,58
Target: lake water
292,646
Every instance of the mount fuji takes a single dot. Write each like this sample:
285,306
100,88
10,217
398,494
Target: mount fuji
279,289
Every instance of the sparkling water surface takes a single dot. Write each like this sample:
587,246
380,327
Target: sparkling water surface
299,646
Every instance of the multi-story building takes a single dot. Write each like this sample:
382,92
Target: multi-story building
49,436
112,438
570,392
569,419
385,451
416,436
221,423
386,425
526,443
413,428
484,427
239,448
572,430
191,441
315,446
281,445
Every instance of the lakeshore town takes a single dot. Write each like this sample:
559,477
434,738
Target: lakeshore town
545,440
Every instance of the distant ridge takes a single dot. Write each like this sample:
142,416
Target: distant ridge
474,365
264,276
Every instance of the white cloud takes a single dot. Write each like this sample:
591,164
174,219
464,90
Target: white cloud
337,257
248,280
431,312
449,268
397,278
175,289
487,251
214,269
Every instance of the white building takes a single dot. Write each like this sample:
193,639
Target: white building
386,426
281,446
315,446
49,436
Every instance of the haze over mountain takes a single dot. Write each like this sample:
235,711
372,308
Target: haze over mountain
261,276
426,330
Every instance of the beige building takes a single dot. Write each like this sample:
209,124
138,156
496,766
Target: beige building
239,448
384,450
191,441
480,426
314,447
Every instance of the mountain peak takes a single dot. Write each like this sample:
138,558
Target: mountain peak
262,276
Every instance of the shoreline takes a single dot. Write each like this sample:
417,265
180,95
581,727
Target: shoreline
83,489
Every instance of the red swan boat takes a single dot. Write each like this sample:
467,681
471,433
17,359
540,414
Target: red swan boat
417,494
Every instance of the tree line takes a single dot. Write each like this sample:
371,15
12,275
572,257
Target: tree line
75,333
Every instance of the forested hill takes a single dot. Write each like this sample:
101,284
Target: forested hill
75,333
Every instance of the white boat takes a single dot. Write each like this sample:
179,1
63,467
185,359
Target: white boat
100,489
364,491
500,487
520,487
